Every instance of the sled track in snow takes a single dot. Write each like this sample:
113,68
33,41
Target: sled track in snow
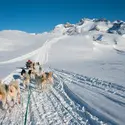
54,106
111,91
85,81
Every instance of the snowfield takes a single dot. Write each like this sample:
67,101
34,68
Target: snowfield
88,65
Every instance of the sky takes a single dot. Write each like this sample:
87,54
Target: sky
36,16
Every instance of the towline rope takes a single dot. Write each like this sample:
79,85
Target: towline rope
29,94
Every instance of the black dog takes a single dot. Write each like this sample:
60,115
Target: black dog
23,71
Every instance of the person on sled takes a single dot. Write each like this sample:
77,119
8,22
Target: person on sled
28,64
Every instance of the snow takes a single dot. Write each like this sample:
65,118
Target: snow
102,99
88,72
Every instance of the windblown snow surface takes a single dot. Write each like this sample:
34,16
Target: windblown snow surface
89,76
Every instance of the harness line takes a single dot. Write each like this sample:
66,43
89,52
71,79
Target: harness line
29,93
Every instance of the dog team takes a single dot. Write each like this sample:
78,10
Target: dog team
35,72
10,94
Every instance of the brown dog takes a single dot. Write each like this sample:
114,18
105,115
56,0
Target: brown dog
44,79
9,93
26,80
14,92
4,91
32,73
48,77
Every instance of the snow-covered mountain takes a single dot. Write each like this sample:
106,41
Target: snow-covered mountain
85,25
88,62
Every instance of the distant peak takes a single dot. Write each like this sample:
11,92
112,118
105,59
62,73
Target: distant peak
95,24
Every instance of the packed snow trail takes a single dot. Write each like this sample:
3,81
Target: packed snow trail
39,55
51,107
55,105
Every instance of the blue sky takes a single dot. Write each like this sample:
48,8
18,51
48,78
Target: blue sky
39,15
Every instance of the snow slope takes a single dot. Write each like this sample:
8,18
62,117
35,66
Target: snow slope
82,55
88,66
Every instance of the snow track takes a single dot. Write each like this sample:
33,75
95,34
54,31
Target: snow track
89,92
50,107
84,81
45,108
56,105
40,54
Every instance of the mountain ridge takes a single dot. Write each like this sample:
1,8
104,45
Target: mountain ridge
85,25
